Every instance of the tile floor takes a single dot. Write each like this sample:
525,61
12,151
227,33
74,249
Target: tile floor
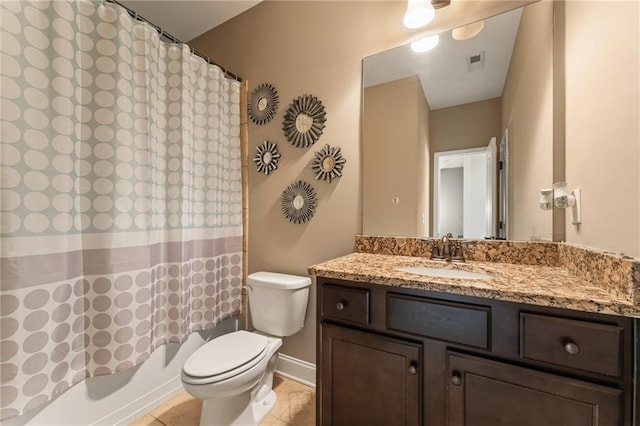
296,406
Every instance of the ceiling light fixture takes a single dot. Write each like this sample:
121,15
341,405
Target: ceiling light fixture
467,31
419,13
425,44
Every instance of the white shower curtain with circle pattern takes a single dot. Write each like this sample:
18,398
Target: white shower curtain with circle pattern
121,195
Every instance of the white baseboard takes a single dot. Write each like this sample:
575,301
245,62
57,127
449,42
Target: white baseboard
297,369
289,367
141,406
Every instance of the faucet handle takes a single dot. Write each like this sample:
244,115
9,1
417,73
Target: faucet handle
435,250
456,252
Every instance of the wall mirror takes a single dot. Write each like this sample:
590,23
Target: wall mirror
304,121
262,103
463,96
328,163
299,201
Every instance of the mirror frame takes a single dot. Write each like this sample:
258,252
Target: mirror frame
309,106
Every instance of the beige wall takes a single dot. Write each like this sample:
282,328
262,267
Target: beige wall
602,122
395,136
316,48
424,168
305,48
527,111
465,126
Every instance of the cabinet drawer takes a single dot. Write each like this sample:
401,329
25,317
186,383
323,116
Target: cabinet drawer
453,322
582,345
345,303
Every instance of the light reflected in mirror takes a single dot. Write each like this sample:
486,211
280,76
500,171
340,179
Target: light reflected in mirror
267,157
298,202
462,95
327,164
262,104
303,122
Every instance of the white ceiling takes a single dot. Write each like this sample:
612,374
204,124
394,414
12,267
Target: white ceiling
187,19
443,71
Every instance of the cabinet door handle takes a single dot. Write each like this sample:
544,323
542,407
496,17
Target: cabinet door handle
413,368
456,379
341,305
571,348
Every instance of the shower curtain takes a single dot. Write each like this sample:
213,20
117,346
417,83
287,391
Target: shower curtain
121,195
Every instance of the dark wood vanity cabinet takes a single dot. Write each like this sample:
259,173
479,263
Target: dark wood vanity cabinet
396,356
370,379
485,392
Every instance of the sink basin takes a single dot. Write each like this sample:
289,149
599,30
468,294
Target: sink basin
444,273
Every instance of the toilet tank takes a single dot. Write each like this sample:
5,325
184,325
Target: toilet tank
278,302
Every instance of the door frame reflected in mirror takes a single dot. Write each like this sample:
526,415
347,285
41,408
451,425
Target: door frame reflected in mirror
473,186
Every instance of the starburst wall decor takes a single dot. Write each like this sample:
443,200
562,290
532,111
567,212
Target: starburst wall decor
328,163
304,121
262,103
299,202
267,156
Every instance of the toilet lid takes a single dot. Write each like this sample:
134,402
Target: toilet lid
225,353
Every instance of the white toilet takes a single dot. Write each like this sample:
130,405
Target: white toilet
233,373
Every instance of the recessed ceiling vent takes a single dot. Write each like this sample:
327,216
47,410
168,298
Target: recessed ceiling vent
475,62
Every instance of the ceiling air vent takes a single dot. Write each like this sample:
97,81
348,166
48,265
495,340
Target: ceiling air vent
475,62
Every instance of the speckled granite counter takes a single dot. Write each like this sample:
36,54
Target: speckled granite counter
554,286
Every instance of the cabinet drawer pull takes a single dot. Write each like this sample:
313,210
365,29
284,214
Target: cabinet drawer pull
413,368
456,379
571,348
341,305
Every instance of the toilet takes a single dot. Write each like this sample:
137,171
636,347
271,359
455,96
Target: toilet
233,374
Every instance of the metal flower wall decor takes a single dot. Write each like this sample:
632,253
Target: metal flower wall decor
299,202
328,163
262,103
304,121
267,156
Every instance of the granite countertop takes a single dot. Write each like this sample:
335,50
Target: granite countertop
537,285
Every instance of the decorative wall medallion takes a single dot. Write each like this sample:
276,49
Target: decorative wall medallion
328,163
304,121
266,158
299,202
262,103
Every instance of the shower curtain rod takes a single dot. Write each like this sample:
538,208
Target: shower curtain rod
174,39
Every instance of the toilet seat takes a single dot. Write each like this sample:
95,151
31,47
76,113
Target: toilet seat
224,357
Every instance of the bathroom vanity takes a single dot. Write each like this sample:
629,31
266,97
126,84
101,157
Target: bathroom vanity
397,348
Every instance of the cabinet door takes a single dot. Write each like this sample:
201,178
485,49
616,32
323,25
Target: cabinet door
482,392
368,379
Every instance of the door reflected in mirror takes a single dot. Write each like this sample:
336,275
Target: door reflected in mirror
460,96
464,198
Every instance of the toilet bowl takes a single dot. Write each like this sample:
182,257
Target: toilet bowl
233,374
238,390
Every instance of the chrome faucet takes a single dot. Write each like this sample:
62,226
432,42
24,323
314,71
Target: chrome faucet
447,250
